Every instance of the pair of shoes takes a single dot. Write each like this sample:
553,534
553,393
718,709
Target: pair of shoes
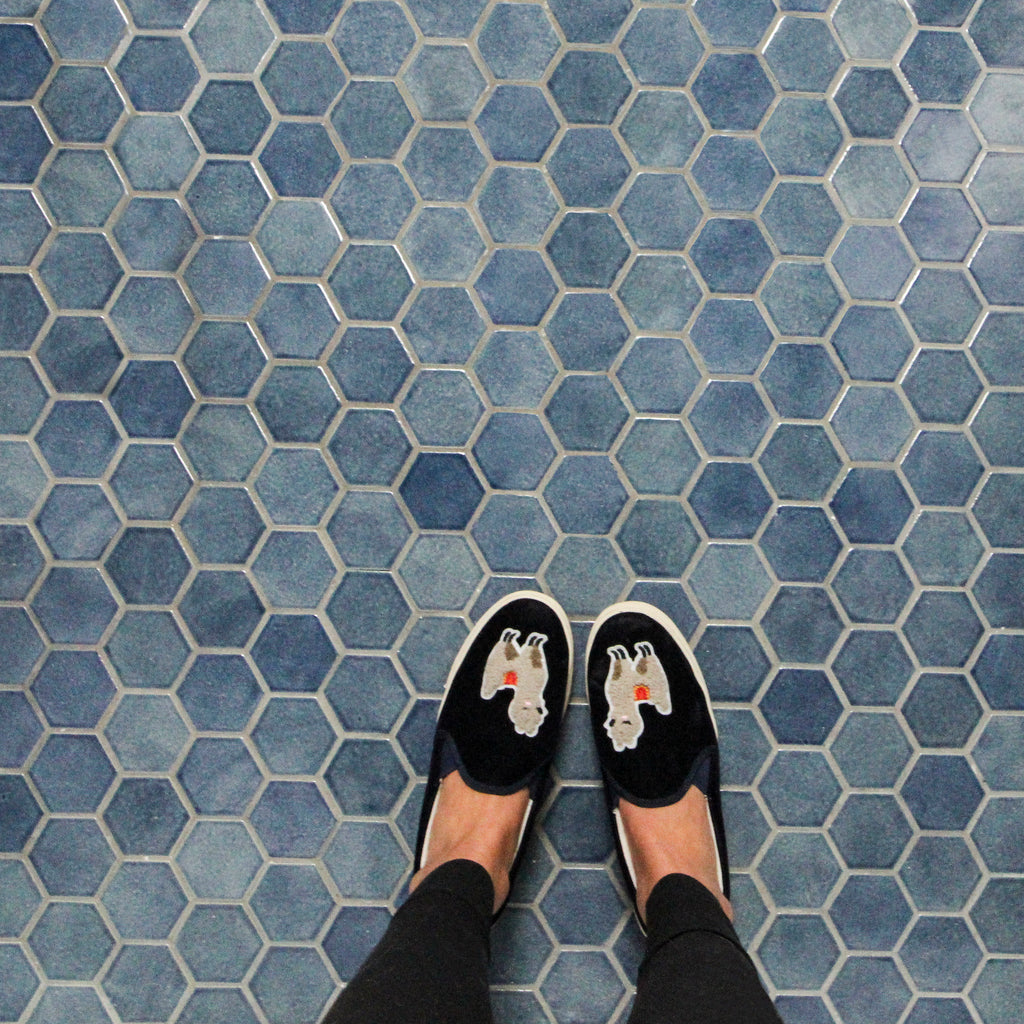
507,693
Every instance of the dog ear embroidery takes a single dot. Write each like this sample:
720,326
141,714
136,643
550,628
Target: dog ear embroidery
630,683
522,668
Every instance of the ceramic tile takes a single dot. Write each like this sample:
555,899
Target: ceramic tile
801,136
157,73
227,197
77,521
72,858
88,31
803,54
441,490
71,941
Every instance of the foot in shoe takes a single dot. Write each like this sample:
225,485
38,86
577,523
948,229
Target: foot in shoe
475,826
667,840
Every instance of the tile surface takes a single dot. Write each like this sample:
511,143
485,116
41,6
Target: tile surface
324,325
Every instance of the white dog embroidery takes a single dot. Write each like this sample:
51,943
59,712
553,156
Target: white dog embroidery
630,683
524,668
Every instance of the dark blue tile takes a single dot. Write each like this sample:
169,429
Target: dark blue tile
658,539
147,733
371,282
297,403
943,548
22,312
442,491
800,544
229,117
219,859
872,667
72,687
156,152
941,791
657,456
513,533
374,39
873,262
366,777
221,608
994,428
871,506
23,395
21,814
729,418
801,298
381,216
731,336
517,124
582,907
586,575
940,224
80,270
154,14
732,255
426,655
801,381
443,244
802,624
730,500
658,375
25,226
942,468
733,91
144,982
300,159
23,52
74,605
940,873
941,306
150,482
730,581
293,736
22,479
997,915
872,102
218,943
22,164
871,986
292,985
293,653
801,136
589,86
587,250
224,359
72,857
586,413
940,953
941,12
72,773
800,462
357,676
81,188
520,947
353,936
942,710
941,145
151,399
939,1011
416,735
147,565
519,42
145,816
800,788
292,819
870,831
803,55
943,628
79,354
82,103
157,73
516,204
733,23
872,343
154,234
871,750
798,951
303,78
22,729
800,706
368,610
661,128
746,827
993,752
870,912
803,1009
732,172
589,169
585,495
22,561
745,747
219,692
144,900
227,197
662,47
71,942
940,67
291,902
371,119
997,834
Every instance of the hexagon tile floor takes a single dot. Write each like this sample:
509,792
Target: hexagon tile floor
324,323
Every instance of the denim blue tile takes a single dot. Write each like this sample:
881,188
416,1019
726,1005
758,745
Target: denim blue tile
80,270
22,479
153,14
803,55
303,77
150,482
871,29
353,936
515,368
800,706
229,117
374,39
218,943
443,244
871,750
72,687
217,1004
224,359
660,292
151,398
365,860
223,442
369,446
231,36
872,102
22,561
942,792
291,902
577,827
24,53
300,159
23,394
997,834
730,23
74,605
426,654
996,590
151,314
941,145
145,816
154,234
71,942
293,736
226,277
86,31
940,873
415,736
732,255
872,343
155,151
589,86
519,42
995,916
157,73
940,953
870,831
802,624
870,912
79,354
731,336
746,826
520,947
871,506
297,403
295,486
144,981
586,413
144,900
371,282
21,898
292,819
443,325
993,428
370,364
873,262
800,462
729,418
444,82
581,907
293,652
872,986
513,533
516,204
801,298
661,128
993,108
939,1011
23,729
367,610
589,168
801,136
801,219
942,386
587,331
744,744
993,752
943,548
729,581
996,32
658,539
82,188
299,237
733,91
219,859
800,544
219,692
871,181
872,423
441,490
996,189
940,67
517,124
586,575
221,608
72,857
368,529
293,569
379,217
227,197
21,164
21,816
513,451
72,773
730,500
658,375
940,224
664,194
366,777
662,47
82,104
371,119
147,565
941,306
657,456
147,733
942,468
219,776
941,12
22,314
25,227
440,572
797,951
941,710
587,250
147,649
803,1009
292,985
943,628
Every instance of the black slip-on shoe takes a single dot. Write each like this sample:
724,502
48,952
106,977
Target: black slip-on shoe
652,720
504,701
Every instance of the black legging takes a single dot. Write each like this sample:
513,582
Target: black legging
431,965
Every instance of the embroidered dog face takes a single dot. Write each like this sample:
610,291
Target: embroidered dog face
630,683
523,668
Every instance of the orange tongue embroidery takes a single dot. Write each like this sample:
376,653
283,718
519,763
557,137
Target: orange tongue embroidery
641,692
510,678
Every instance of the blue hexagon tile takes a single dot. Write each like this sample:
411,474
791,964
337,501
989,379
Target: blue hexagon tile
324,325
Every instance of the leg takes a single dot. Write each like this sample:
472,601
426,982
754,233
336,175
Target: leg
431,965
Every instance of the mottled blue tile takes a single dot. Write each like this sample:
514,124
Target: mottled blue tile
299,237
729,418
300,159
229,117
79,354
353,936
22,729
871,750
291,902
993,752
515,368
587,249
441,572
516,204
997,915
150,481
23,395
157,73
873,262
227,198
24,53
943,548
444,82
368,529
72,687
365,860
872,102
145,816
800,706
870,912
21,816
151,398
940,224
660,292
803,1009
373,201
872,423
226,277
292,819
218,943
871,29
870,831
84,31
941,306
293,653
221,608
518,124
219,692
297,403
730,500
21,897
293,736
731,336
997,834
662,47
80,270
295,486
366,777
589,86
443,244
219,1005
942,386
940,873
518,41
368,610
74,605
371,119
144,981
801,298
802,624
24,229
72,773
371,282
292,985
144,900
358,675
801,381
872,343
513,533
801,219
941,710
657,456
22,479
586,575
989,268
996,31
223,442
729,581
940,954
731,255
147,565
658,539
586,413
219,859
155,151
293,569
224,359
231,36
303,78
152,315
81,188
661,128
800,461
942,468
943,628
72,857
940,67
803,55
871,986
22,561
941,145
71,942
801,136
582,907
745,747
154,234
22,313
374,39
219,776
800,544
441,490
21,163
82,104
798,951
995,427
871,506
